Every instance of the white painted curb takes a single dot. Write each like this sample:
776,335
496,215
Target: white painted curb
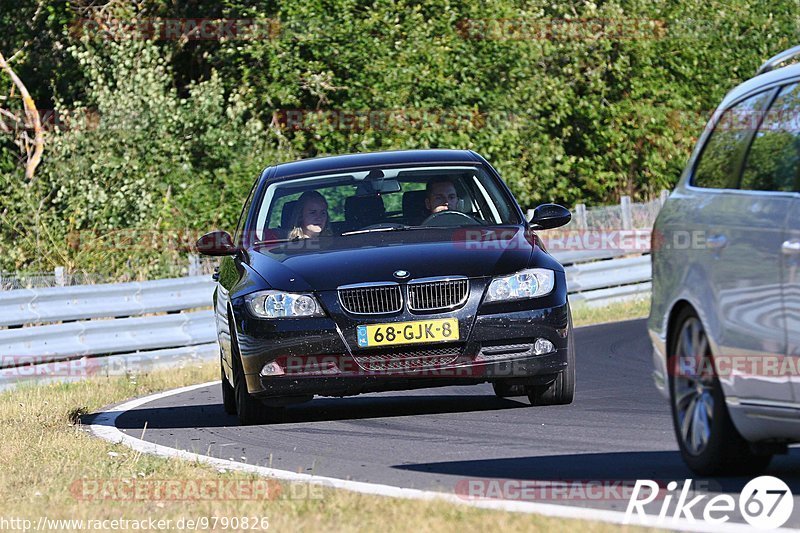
104,426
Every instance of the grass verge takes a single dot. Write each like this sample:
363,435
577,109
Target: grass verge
583,315
53,470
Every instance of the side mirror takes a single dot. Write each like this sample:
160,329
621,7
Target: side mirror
548,216
216,243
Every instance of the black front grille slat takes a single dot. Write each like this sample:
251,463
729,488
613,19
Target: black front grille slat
371,300
381,299
434,295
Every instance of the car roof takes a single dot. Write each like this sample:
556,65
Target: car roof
762,80
371,159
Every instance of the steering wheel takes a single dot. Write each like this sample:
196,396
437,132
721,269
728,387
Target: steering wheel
448,218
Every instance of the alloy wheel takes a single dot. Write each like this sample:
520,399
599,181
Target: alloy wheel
693,386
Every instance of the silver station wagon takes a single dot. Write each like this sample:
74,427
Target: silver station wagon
725,315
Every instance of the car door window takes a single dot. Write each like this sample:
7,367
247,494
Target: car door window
720,159
774,157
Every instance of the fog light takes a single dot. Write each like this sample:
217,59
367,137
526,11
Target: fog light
271,369
543,346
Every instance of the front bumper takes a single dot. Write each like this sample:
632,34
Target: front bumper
528,370
314,356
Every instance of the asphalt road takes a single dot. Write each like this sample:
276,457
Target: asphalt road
465,440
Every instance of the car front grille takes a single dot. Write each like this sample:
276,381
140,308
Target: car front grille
437,294
371,299
407,359
428,294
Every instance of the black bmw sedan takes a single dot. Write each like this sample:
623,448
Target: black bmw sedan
388,271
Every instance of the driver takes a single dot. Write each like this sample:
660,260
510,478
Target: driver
440,196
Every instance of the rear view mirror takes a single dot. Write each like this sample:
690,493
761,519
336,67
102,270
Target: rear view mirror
548,216
386,186
378,186
216,243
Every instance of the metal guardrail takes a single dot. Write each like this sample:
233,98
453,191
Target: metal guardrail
574,257
608,274
104,337
602,297
56,304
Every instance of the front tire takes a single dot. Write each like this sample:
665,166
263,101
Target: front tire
560,391
709,442
250,410
228,394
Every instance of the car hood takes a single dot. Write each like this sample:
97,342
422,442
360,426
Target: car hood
329,262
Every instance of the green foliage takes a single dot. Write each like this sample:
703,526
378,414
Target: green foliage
140,158
567,110
583,116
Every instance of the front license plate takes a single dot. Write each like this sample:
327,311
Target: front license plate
440,330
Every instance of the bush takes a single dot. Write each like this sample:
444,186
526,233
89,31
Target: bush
142,159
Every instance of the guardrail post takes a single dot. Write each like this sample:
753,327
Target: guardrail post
59,275
627,219
580,216
194,265
664,196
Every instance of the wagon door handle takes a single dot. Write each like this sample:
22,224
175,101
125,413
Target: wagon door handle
717,242
791,247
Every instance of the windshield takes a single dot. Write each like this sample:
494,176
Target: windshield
396,199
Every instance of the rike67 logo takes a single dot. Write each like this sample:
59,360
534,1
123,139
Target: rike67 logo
765,503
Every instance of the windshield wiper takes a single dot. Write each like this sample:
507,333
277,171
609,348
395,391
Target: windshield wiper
371,230
274,241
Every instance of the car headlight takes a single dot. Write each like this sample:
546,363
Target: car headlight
528,283
279,304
